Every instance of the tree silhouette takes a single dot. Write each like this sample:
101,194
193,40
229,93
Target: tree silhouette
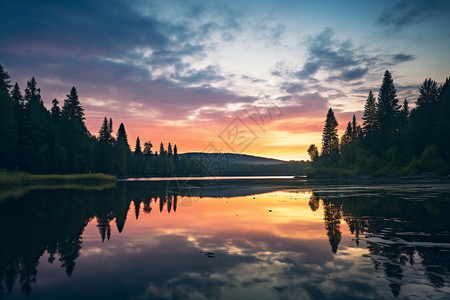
370,114
332,218
428,92
162,151
122,151
148,148
330,140
348,135
313,152
137,147
387,105
8,132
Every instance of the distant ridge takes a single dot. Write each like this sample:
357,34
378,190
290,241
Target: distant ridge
232,158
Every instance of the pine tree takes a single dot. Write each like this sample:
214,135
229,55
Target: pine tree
429,92
162,151
72,109
8,132
137,147
348,135
175,151
30,91
105,134
105,160
404,112
16,96
169,150
442,126
356,129
110,127
122,151
387,105
370,114
36,130
330,140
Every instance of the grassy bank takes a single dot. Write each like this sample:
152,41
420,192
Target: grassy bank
23,178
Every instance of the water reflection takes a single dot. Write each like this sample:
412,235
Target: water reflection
150,241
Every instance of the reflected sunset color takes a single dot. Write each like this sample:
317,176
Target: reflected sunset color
277,241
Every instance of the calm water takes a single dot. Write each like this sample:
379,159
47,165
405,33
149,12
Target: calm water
263,239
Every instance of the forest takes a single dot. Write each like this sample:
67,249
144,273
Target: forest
56,141
392,140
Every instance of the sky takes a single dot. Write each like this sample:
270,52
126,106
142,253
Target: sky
254,77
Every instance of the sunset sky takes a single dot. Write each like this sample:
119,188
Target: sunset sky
254,77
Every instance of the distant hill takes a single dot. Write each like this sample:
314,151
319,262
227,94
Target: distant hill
232,158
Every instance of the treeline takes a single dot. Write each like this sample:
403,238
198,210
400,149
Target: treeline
38,140
392,140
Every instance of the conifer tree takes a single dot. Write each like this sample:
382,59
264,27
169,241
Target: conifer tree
370,114
162,151
404,112
387,105
110,127
175,151
72,109
169,150
105,134
8,128
122,151
16,96
137,147
348,135
429,92
330,140
36,130
356,129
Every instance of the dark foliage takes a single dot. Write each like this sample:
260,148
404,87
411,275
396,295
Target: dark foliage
393,141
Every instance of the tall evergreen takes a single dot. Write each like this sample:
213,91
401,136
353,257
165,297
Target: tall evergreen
162,151
348,135
105,134
122,151
105,159
370,114
76,136
442,125
356,129
169,150
110,127
137,147
16,96
388,108
404,112
330,140
72,108
175,151
8,128
35,152
428,92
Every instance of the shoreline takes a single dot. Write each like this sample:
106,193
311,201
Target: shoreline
19,178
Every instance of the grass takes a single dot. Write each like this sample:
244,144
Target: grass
8,178
15,192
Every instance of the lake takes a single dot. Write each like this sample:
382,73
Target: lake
271,238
